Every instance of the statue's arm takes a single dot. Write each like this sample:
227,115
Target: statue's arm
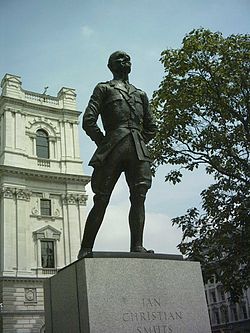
89,121
149,126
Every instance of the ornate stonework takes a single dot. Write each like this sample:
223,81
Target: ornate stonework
13,192
35,211
30,295
47,232
23,194
8,192
82,199
75,199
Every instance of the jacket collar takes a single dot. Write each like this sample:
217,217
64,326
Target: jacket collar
118,85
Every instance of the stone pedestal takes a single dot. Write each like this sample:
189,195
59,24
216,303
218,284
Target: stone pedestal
127,293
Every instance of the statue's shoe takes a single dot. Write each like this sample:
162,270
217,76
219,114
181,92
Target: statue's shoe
141,249
84,252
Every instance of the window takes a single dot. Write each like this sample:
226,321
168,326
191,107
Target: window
216,316
46,240
224,312
244,311
234,313
42,144
221,293
47,254
213,295
45,207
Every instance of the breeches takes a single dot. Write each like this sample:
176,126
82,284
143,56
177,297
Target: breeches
122,159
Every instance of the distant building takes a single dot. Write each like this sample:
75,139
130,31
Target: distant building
227,317
42,198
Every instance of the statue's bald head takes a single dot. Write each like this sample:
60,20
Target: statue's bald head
119,60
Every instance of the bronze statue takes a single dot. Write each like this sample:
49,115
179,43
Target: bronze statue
128,125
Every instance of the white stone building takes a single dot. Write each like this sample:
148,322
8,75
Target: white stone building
42,198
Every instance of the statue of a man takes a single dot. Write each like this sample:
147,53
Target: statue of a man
128,125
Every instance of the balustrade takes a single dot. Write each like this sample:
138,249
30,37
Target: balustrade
41,98
43,163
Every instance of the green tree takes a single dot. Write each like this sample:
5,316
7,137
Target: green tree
202,113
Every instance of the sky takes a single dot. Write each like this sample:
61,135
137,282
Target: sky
58,43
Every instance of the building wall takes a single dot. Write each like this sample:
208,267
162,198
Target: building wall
26,181
225,316
23,305
24,225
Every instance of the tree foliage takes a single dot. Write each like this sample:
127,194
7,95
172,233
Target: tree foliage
202,113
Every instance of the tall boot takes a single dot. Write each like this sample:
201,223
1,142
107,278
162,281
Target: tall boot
93,224
136,223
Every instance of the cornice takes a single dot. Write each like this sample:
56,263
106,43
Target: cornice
46,175
22,313
22,279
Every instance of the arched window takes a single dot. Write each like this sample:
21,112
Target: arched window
42,144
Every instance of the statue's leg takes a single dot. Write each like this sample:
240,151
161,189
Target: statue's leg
139,181
103,181
137,214
94,219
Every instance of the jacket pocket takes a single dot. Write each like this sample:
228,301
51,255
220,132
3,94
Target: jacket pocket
112,98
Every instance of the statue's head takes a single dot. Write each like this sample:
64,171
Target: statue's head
119,62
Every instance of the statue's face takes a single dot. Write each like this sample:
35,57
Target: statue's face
120,63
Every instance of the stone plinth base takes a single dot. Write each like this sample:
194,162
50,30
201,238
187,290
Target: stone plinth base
127,293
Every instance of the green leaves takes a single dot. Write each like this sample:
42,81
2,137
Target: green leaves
202,113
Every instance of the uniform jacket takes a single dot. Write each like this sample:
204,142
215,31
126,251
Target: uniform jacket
123,110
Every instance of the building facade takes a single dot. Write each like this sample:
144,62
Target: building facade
225,316
42,198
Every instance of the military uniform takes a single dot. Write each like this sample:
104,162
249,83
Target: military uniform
123,110
128,125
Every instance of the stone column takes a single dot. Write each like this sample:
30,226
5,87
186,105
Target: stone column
1,133
20,143
8,231
75,225
76,141
39,251
66,243
69,139
63,146
9,129
72,201
82,213
52,148
22,197
59,146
